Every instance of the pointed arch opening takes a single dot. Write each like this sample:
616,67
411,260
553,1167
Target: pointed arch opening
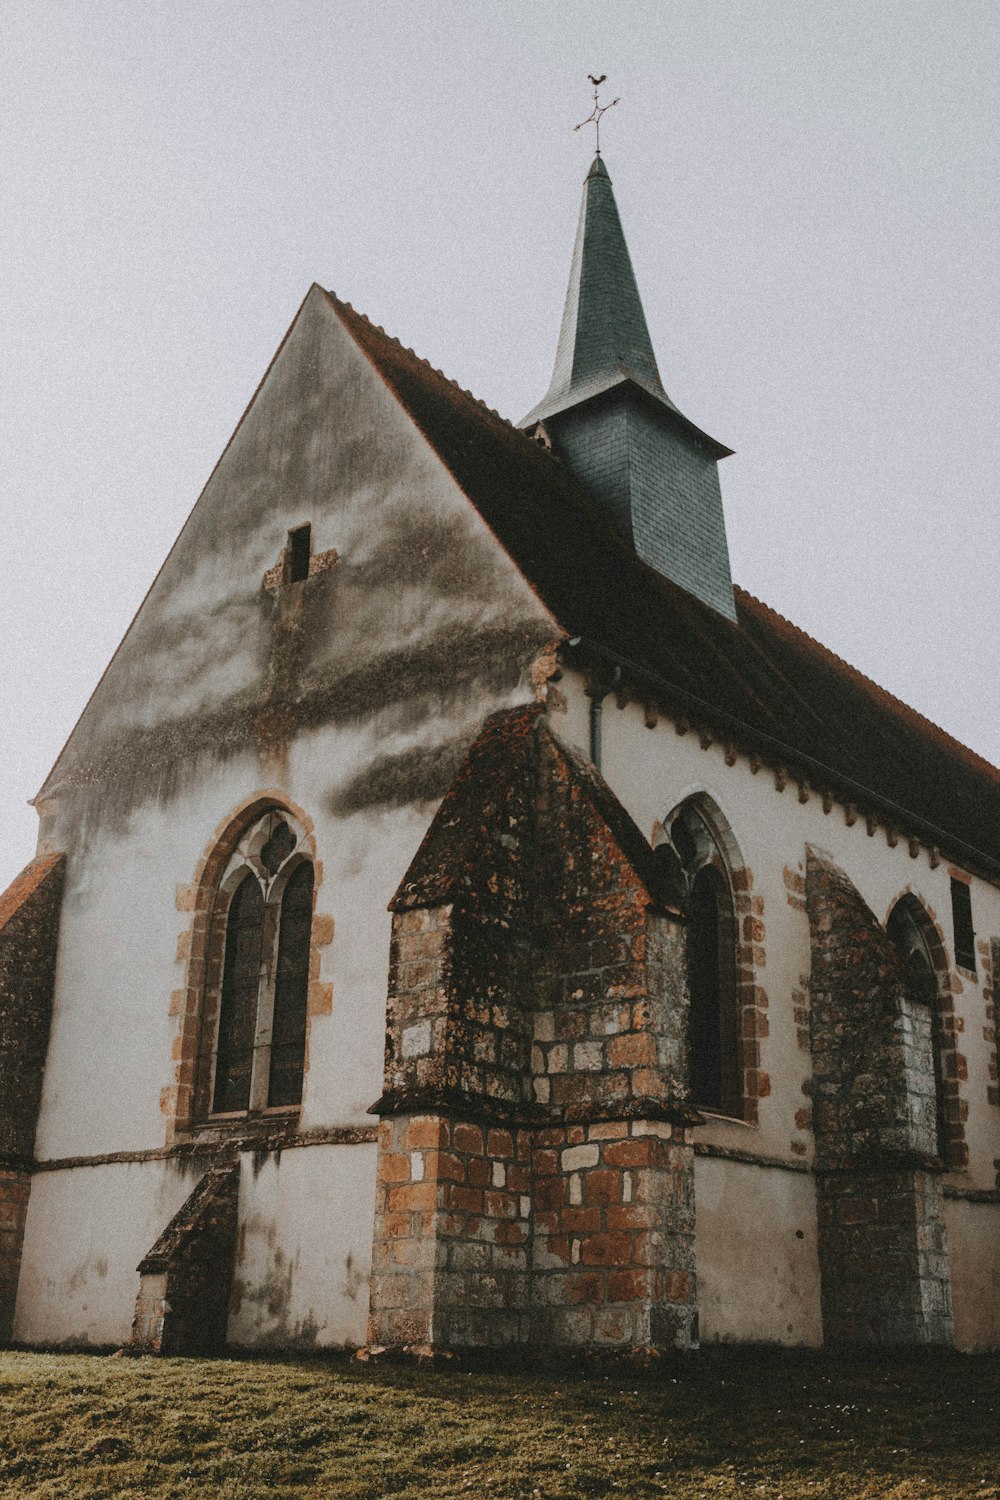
252,966
722,1060
934,1065
252,1054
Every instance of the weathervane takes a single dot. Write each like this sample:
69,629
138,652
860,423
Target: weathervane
598,110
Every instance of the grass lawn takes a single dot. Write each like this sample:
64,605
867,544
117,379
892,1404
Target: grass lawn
722,1424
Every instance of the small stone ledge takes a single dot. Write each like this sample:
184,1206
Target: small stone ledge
750,1158
275,1140
878,1161
971,1195
530,1116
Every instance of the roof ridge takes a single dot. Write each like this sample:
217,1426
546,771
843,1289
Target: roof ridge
907,709
406,349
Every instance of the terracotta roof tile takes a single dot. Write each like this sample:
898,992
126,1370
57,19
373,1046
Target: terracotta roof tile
25,885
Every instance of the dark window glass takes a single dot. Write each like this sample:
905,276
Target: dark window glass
905,930
715,1081
299,546
288,1034
961,913
238,1007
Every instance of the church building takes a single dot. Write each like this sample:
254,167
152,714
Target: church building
464,919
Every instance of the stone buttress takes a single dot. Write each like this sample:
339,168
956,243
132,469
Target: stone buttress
535,1178
185,1278
29,933
882,1243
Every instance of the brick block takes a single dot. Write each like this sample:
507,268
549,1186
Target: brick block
426,1131
578,1158
607,1250
468,1200
643,1152
468,1139
633,1050
580,1220
602,1186
585,1288
499,1143
479,1172
412,1197
630,1286
550,1192
444,1166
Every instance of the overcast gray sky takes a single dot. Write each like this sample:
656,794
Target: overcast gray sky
810,196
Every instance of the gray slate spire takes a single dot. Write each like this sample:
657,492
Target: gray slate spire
603,339
611,421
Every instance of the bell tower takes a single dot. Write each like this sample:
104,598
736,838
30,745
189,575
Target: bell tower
609,419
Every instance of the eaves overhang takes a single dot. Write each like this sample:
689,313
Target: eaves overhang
587,653
622,378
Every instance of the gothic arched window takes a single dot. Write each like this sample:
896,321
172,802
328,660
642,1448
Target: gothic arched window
254,1023
910,929
714,1028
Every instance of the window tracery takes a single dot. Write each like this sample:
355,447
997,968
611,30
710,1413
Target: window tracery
254,1018
702,871
912,933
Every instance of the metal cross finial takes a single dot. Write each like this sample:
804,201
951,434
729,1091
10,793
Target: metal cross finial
598,110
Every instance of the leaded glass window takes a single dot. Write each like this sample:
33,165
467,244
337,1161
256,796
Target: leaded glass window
291,985
258,1059
714,1023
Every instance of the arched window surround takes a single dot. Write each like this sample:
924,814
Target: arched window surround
951,1067
187,1101
742,929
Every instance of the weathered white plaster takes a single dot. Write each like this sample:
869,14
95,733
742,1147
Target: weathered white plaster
974,1245
757,1280
86,1232
305,1248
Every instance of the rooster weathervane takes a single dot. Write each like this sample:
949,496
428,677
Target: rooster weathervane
599,109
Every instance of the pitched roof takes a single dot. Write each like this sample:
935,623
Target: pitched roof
604,339
494,791
759,680
24,886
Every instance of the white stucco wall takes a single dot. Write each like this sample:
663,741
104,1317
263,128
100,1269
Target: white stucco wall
304,1256
974,1242
86,1232
758,1270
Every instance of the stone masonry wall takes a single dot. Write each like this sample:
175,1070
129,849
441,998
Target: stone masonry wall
561,1236
882,1245
15,1189
613,1243
451,1249
29,932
